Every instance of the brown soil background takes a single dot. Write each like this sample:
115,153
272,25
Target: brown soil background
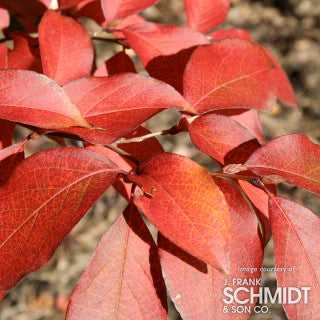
291,30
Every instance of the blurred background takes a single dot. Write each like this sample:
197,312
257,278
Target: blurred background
291,30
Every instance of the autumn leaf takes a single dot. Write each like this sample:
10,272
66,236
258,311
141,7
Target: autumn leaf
10,157
26,12
119,63
230,33
251,121
66,4
3,56
197,289
90,9
65,57
118,9
4,19
119,104
204,15
150,40
34,99
295,231
219,76
260,200
123,279
143,149
44,197
222,138
293,157
282,83
186,207
24,55
277,75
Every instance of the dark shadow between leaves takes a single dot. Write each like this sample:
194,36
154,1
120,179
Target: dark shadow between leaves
137,225
167,245
170,68
241,153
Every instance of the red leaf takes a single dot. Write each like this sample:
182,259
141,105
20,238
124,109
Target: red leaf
170,68
3,57
187,207
119,184
219,76
10,157
33,99
128,21
45,196
119,63
144,149
295,231
151,40
118,9
26,12
197,289
91,9
123,279
119,104
204,15
66,48
24,55
6,133
4,19
282,83
222,138
230,33
261,202
293,157
251,121
277,75
66,4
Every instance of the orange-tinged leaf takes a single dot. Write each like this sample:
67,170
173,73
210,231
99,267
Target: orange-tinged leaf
34,99
197,289
123,279
186,207
150,40
44,197
66,48
220,76
204,15
293,157
295,231
120,103
222,138
277,75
